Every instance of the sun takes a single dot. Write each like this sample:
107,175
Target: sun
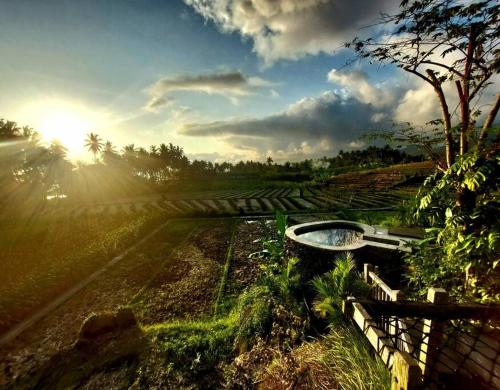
64,120
66,127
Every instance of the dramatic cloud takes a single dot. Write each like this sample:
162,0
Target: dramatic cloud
156,103
308,128
229,84
291,29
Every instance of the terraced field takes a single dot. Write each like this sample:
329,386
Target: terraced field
244,202
382,188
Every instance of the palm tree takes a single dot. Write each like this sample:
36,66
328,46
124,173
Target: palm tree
109,147
153,150
94,144
109,153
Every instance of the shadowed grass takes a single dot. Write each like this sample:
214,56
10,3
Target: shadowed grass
343,359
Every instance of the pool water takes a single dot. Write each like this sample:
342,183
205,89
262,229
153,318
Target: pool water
333,237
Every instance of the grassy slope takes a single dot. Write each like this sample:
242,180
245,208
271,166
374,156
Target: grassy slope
67,250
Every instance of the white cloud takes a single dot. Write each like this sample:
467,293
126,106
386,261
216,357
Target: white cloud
291,29
360,87
158,102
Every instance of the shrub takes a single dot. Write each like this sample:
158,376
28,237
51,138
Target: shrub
255,316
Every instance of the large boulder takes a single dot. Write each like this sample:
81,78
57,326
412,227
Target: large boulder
99,324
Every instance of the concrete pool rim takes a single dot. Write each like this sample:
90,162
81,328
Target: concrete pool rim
370,236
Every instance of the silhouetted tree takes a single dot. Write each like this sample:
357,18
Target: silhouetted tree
94,144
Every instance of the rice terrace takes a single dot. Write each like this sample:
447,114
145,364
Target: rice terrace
230,194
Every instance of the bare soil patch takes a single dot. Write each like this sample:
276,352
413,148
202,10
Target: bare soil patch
244,271
187,286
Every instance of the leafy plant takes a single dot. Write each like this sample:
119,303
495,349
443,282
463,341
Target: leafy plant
274,240
335,285
460,252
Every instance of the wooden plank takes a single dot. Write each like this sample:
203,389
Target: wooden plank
406,374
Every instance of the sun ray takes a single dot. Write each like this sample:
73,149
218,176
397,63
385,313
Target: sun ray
65,121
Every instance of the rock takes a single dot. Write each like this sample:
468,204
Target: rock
97,324
125,317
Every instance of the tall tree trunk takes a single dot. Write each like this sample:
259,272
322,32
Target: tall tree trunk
464,118
448,140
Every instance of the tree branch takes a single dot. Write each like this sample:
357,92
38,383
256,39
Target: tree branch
488,122
449,68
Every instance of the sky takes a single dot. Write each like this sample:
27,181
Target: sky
224,79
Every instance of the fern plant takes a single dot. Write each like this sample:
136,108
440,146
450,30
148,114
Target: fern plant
334,286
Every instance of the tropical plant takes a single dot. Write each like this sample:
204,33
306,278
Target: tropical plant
274,240
94,144
335,285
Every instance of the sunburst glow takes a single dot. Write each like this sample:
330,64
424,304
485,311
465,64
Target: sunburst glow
65,126
66,122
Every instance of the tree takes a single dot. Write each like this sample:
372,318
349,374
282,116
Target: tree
452,46
445,41
269,160
109,153
94,144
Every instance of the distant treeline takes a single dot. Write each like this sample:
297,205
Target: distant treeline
32,170
372,155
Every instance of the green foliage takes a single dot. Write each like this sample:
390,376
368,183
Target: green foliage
334,286
255,315
461,250
279,273
273,240
190,349
193,350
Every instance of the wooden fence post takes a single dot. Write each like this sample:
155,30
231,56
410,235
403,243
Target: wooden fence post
366,271
432,333
394,326
406,374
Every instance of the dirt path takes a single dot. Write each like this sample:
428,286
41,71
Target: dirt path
106,291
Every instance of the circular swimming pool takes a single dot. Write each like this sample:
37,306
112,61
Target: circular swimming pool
317,244
332,235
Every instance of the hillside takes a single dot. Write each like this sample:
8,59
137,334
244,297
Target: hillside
384,178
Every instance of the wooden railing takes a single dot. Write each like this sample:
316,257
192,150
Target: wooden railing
421,341
382,292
